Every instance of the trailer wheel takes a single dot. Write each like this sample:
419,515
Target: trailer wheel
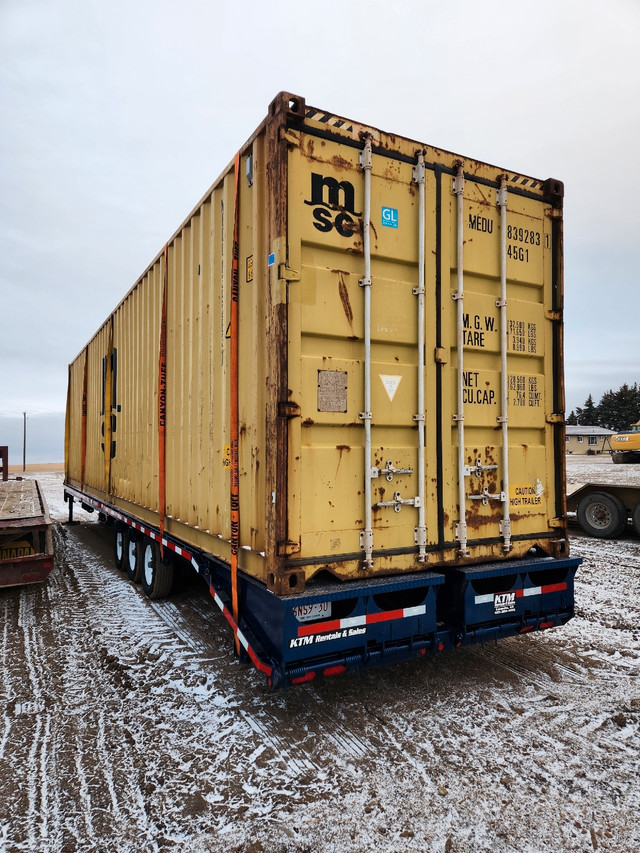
636,518
157,576
120,544
133,558
602,515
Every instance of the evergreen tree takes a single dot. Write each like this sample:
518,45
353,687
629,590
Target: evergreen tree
587,416
572,419
618,409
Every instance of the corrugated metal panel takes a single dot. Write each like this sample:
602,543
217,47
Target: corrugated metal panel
305,466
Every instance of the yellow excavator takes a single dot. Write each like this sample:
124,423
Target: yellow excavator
625,446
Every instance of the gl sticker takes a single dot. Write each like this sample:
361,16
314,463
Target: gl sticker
390,217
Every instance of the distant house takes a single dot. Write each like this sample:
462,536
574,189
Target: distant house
588,439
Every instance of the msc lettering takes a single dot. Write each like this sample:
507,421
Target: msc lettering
334,205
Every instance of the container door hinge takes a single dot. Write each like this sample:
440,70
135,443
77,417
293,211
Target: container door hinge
457,184
287,548
366,545
290,136
461,536
398,502
389,471
505,532
289,409
555,418
285,273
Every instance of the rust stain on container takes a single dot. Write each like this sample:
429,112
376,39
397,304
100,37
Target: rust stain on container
341,163
344,298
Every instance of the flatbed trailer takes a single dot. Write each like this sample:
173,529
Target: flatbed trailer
26,541
330,628
603,510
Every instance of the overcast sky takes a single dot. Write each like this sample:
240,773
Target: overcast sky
116,117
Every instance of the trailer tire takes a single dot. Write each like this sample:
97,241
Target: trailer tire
157,575
602,515
120,545
636,518
133,557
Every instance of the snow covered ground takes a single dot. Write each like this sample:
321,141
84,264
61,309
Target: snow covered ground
127,725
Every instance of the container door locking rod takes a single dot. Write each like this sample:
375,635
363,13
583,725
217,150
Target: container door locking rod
505,524
420,532
366,536
461,527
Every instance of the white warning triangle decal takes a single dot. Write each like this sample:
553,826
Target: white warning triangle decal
390,384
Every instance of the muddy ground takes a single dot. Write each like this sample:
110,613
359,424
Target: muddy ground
127,725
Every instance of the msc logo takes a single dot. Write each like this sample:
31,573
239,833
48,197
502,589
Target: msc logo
334,203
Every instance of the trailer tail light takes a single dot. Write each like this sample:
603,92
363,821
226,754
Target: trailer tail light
301,679
526,629
334,670
544,625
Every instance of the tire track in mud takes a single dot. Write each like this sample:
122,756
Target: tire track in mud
194,621
6,683
313,735
308,746
174,636
125,645
27,720
63,752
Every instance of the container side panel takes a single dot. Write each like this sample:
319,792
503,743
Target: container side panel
123,372
136,335
98,411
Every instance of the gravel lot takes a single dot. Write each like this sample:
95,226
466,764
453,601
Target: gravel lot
127,725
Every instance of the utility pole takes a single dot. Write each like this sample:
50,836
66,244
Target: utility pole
24,444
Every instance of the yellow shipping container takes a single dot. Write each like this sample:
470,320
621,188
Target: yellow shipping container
397,399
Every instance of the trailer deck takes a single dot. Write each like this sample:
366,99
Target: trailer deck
26,543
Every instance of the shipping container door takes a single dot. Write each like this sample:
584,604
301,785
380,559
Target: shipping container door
425,355
499,341
353,366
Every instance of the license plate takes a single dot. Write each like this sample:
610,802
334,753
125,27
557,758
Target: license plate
310,612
